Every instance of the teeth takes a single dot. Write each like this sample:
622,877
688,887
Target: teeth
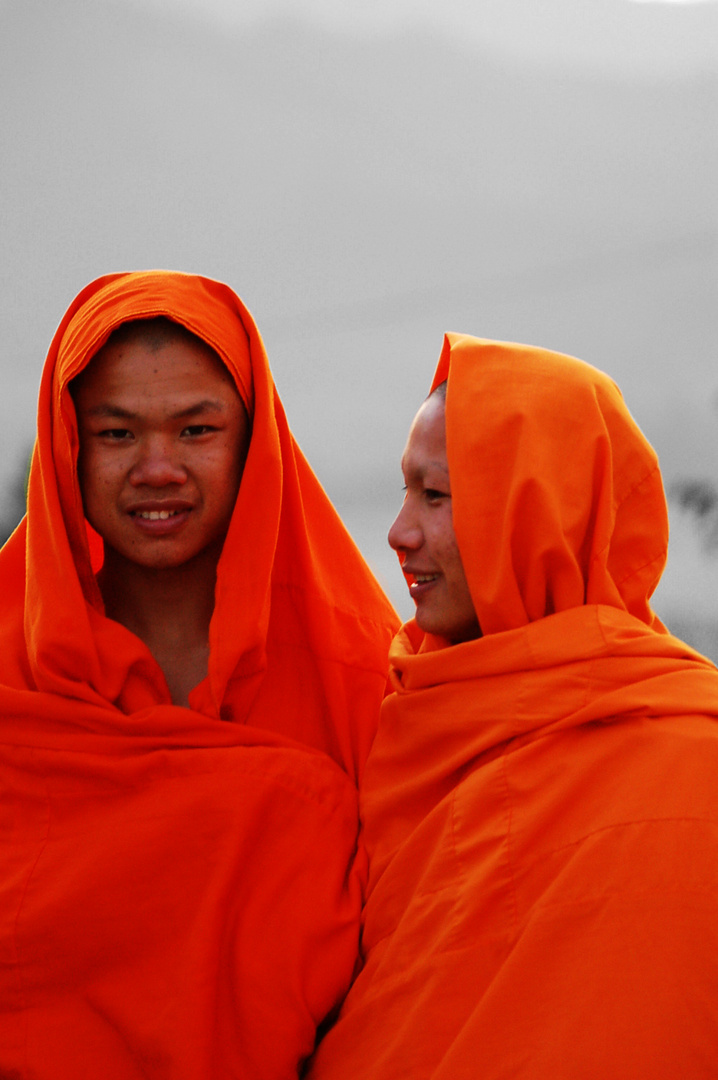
156,515
421,579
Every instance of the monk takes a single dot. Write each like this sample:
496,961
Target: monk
540,805
192,658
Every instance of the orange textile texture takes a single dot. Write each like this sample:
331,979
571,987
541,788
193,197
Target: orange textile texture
540,805
180,888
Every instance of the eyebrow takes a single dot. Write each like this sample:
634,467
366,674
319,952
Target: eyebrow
118,413
414,470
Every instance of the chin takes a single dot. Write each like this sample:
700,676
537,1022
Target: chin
434,626
455,633
148,560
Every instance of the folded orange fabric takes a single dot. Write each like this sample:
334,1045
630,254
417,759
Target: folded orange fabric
540,805
180,888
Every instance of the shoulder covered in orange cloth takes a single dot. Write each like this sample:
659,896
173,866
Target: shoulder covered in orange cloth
540,805
180,887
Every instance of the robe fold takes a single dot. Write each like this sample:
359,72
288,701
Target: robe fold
180,887
540,805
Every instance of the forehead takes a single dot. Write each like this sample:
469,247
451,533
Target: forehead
426,445
177,367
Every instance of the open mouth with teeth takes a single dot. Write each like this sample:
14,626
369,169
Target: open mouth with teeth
155,515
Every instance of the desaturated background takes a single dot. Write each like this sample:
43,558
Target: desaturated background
368,176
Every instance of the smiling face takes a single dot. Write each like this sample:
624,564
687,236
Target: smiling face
423,532
163,440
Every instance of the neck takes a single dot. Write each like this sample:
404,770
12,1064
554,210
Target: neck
169,609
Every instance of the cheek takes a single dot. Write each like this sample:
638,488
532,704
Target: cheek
445,541
453,566
96,479
223,474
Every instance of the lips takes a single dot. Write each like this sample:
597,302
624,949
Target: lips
160,518
153,510
418,574
420,581
154,515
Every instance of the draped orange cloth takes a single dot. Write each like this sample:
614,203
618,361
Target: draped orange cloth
540,805
180,888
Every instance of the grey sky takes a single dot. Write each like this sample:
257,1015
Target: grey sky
618,34
545,172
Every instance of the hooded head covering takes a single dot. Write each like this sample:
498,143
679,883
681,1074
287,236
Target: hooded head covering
557,496
539,804
179,894
300,630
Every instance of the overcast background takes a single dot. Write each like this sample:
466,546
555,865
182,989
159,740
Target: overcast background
368,176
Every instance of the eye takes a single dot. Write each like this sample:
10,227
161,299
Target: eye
195,430
432,495
115,434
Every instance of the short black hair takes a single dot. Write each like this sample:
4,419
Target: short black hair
154,333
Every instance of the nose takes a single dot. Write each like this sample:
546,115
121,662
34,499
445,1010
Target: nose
405,533
157,465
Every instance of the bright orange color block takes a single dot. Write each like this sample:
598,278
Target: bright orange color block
179,888
540,805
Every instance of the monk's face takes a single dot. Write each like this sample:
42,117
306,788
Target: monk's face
163,441
423,532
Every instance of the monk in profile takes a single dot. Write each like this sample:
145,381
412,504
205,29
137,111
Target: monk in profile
192,658
540,805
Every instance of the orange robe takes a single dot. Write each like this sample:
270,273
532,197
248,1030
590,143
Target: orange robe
540,805
180,888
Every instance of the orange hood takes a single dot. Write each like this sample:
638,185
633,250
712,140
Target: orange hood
290,578
180,887
539,803
557,495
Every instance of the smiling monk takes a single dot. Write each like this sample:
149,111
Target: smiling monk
540,805
192,658
164,436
